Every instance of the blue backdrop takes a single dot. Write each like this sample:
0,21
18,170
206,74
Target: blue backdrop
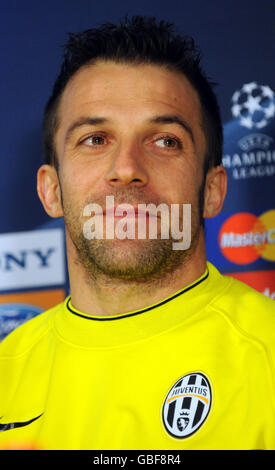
237,41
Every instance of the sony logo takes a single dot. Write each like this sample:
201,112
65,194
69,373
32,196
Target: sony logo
24,259
32,259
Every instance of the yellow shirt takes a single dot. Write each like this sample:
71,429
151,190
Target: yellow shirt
194,371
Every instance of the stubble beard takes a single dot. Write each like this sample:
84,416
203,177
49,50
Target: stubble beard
131,261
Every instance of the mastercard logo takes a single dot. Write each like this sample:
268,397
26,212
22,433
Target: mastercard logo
244,237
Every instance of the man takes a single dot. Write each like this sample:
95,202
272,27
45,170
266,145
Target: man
154,348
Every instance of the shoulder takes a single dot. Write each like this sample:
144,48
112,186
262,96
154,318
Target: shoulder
27,335
246,308
25,350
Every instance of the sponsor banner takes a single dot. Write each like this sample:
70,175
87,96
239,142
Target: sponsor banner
252,158
249,147
43,299
32,259
244,238
241,241
262,281
253,105
17,308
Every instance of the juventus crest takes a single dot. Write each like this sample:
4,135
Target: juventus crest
187,405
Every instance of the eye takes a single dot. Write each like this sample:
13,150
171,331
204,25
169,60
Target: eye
94,140
168,142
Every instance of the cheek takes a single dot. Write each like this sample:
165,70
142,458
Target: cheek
78,182
71,191
182,185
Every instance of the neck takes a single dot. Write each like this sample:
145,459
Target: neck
100,295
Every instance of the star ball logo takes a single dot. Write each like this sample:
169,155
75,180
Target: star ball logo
244,237
253,105
187,405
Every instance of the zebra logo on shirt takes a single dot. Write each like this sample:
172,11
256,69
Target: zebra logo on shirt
187,405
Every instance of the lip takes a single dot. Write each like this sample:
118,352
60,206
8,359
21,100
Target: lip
138,213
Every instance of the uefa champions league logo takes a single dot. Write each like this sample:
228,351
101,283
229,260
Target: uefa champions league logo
253,105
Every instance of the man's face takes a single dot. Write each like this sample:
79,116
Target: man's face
133,132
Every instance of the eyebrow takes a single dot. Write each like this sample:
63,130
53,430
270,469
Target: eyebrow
92,121
163,119
174,119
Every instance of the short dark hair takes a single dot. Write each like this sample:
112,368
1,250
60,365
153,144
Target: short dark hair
137,40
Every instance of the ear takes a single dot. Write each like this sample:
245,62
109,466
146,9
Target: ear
215,191
48,188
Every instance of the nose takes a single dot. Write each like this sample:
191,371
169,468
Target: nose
127,167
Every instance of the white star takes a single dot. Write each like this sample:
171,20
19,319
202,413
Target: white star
261,124
246,122
267,91
236,96
236,110
248,87
252,104
270,111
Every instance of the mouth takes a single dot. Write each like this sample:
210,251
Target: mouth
119,212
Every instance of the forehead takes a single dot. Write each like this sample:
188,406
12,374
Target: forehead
129,91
